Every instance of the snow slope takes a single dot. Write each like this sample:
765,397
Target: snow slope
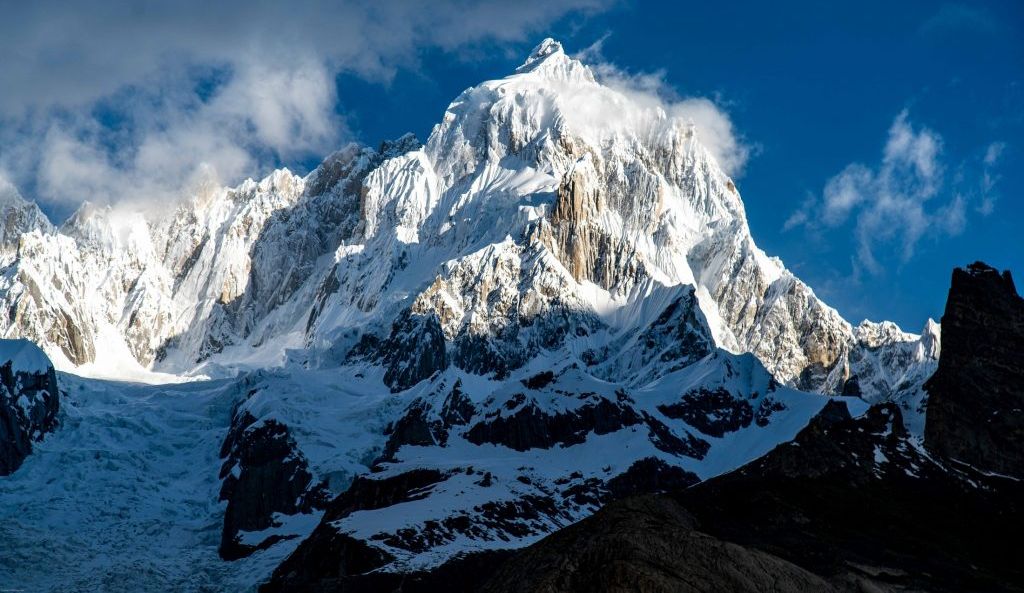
124,496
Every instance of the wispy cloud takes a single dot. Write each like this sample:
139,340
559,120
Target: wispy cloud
900,200
651,90
990,177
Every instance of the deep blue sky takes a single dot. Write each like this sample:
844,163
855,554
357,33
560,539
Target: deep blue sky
813,87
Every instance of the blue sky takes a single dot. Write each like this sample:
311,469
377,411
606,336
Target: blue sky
885,137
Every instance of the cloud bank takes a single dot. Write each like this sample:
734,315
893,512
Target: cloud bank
129,100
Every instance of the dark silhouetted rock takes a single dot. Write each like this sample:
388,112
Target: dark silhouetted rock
646,544
650,475
976,397
850,505
856,501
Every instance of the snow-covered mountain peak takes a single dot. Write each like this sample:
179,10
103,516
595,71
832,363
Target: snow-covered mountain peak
18,216
549,61
544,49
874,334
556,300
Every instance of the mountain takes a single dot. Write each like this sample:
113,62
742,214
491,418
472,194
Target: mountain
575,201
418,355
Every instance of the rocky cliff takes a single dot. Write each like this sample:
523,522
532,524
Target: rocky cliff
976,397
29,401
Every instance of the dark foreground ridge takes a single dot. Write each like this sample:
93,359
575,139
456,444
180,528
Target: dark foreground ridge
849,505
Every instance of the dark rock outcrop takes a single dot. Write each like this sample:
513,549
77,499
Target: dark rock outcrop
352,565
329,560
649,475
532,427
645,545
713,412
413,351
680,334
29,401
422,426
332,561
855,500
678,337
976,397
263,473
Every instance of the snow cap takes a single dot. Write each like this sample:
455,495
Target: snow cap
546,48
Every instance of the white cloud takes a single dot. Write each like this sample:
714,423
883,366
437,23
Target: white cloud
650,91
844,192
114,101
890,204
716,132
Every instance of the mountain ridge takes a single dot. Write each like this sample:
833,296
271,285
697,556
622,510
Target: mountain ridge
185,279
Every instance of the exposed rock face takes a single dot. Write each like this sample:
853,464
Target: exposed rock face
264,474
327,557
588,250
333,561
420,426
976,398
413,351
530,426
29,401
676,338
712,412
